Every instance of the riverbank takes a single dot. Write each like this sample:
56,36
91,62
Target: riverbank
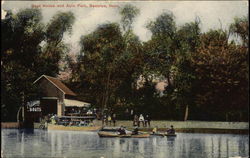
180,126
14,125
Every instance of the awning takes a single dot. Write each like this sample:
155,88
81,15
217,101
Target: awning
72,103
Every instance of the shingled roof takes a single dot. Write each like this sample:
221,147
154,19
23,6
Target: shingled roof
61,86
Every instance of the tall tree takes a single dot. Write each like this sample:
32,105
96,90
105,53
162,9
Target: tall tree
99,60
188,37
222,71
54,50
162,46
25,55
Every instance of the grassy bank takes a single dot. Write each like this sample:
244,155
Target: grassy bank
180,126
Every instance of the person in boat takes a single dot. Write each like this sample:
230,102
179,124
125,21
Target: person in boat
155,130
135,131
171,130
122,131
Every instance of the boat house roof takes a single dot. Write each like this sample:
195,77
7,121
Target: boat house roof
55,81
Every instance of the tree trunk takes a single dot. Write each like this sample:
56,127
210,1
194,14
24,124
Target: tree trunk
18,114
107,91
186,113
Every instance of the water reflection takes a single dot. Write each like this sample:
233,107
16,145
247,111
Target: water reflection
21,143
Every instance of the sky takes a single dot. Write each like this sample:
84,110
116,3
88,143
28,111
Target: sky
88,18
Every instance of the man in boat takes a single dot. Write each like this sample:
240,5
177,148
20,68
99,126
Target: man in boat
154,131
121,130
171,130
135,131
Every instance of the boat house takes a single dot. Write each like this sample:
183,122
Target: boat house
57,98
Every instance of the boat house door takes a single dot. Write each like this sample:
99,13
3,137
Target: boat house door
49,105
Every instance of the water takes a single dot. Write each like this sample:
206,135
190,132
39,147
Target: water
40,143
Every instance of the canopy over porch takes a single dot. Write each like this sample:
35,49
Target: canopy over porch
75,103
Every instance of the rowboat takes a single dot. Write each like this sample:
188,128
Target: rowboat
114,134
163,134
73,128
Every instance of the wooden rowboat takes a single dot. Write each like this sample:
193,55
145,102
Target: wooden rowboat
170,135
144,135
73,128
163,134
112,134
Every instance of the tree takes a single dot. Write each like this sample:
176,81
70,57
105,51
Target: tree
240,28
162,46
108,64
98,62
22,34
188,37
54,50
25,56
222,71
169,54
128,13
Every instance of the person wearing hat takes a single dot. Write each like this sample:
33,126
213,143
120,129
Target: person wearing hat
121,130
171,130
155,130
135,131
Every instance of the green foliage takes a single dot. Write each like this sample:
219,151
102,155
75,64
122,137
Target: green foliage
194,66
203,71
222,74
28,53
128,13
240,27
98,62
59,24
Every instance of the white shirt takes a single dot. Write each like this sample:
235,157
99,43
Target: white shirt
141,118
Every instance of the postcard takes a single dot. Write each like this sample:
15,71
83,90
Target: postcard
124,79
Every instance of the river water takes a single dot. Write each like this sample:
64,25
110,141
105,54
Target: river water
41,143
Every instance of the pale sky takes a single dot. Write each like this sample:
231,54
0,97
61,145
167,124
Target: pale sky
87,19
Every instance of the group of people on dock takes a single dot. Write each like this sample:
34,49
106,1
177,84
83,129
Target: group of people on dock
138,120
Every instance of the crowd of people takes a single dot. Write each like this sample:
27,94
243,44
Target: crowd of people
108,119
141,120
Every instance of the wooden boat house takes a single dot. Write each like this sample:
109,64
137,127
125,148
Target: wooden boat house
57,98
